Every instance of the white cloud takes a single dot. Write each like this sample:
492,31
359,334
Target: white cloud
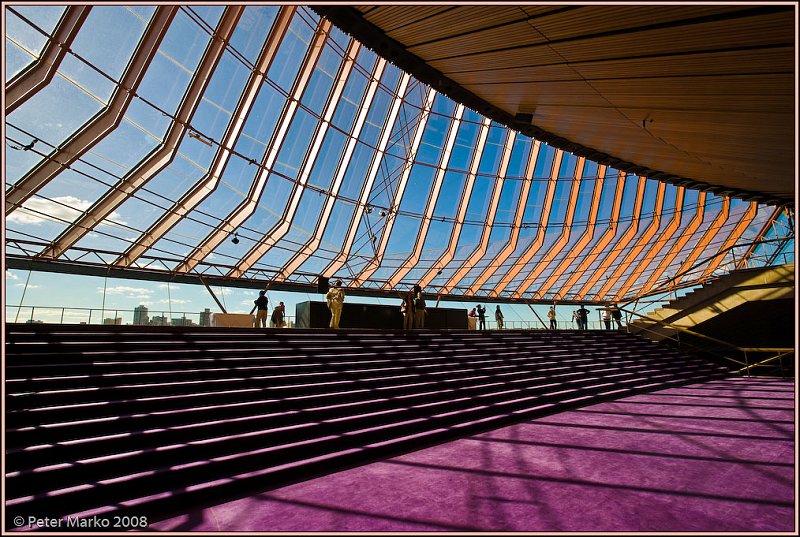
28,286
37,210
165,301
171,287
129,292
11,276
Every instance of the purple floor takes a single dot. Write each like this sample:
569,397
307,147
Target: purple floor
717,456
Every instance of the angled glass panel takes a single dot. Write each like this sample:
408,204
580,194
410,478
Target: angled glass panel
506,208
622,223
532,215
141,130
211,120
475,218
356,174
28,29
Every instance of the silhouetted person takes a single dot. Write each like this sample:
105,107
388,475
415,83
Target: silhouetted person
616,314
583,314
260,305
498,317
481,317
278,316
335,298
551,314
419,308
407,309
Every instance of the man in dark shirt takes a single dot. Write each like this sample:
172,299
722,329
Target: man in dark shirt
261,314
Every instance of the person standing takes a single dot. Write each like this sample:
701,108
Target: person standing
407,309
498,317
583,315
419,308
335,298
607,318
616,314
481,317
260,305
551,314
279,316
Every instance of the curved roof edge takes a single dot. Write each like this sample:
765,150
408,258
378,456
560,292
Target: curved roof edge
350,20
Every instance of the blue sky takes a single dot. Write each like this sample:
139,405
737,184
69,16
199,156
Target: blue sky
107,41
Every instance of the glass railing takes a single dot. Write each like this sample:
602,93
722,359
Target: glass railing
71,315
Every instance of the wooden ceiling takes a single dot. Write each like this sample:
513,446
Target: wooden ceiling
699,95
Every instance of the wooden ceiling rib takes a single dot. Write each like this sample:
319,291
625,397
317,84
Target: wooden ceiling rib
393,17
443,26
718,81
584,20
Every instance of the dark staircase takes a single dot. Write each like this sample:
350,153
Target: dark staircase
150,421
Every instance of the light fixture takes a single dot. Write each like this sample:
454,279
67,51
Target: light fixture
235,239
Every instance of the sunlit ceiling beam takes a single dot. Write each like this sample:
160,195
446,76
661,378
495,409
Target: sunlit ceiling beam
516,226
347,245
656,246
638,246
312,245
208,183
702,244
679,245
533,249
27,83
101,124
619,245
600,247
588,234
562,240
491,211
391,216
733,237
743,261
461,212
411,261
249,205
282,227
166,151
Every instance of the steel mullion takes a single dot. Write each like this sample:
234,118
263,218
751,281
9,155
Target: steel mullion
103,123
702,244
566,231
344,253
412,260
313,244
588,234
486,232
604,240
29,82
656,246
249,205
168,148
375,261
683,238
210,179
513,238
517,267
639,245
734,236
761,234
621,243
469,183
280,229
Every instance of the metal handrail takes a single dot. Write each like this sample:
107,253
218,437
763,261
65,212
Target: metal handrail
744,350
